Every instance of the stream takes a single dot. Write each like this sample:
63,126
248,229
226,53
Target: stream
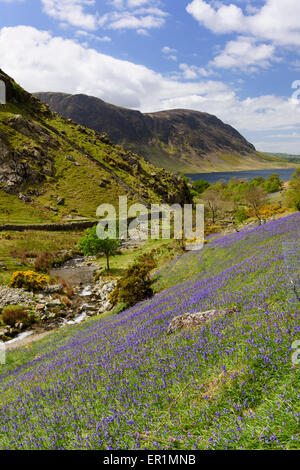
78,273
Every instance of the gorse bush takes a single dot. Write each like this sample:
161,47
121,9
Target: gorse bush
13,314
28,280
135,285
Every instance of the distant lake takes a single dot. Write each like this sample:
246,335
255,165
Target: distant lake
285,174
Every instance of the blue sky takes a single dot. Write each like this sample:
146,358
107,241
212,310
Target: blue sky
236,59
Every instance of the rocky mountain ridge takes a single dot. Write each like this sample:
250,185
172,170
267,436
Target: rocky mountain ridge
178,139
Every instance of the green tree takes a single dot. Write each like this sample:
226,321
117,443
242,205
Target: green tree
257,181
240,215
273,184
293,192
92,245
200,186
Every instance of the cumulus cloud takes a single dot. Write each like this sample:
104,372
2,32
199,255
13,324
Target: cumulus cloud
169,53
242,53
276,21
79,69
141,15
72,12
131,20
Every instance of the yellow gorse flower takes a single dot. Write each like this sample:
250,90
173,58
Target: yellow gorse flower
28,280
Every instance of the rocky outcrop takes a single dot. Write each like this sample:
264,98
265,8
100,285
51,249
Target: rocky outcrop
189,321
98,297
51,310
33,130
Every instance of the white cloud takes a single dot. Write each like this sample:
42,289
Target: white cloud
243,53
78,69
72,12
168,50
130,3
276,20
127,20
192,72
136,3
141,15
93,36
169,53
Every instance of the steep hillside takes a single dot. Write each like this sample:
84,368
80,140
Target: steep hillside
53,168
181,140
121,382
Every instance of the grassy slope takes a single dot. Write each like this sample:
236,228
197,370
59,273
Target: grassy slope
77,184
120,382
161,156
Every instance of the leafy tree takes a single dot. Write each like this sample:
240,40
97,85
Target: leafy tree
200,186
255,198
293,193
273,184
213,198
257,181
240,215
92,245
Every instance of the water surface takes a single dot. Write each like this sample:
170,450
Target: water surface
285,174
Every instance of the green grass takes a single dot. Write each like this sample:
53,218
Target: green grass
17,249
78,183
163,251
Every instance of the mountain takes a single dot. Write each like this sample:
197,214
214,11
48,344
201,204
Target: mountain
286,156
53,168
181,140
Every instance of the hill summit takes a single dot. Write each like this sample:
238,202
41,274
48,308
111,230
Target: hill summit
178,139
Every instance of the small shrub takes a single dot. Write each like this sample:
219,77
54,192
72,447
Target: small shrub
134,286
44,262
6,236
200,186
67,288
13,314
147,259
119,308
28,280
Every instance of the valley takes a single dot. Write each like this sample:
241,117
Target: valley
142,344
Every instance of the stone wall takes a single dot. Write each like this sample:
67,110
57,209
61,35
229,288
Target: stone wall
49,227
